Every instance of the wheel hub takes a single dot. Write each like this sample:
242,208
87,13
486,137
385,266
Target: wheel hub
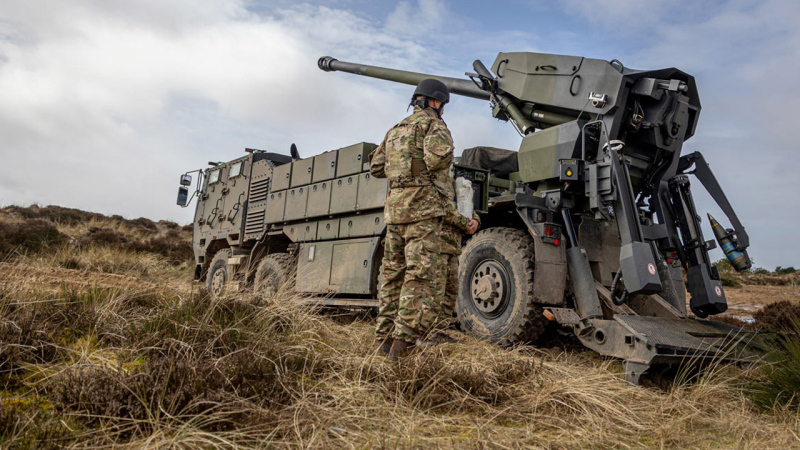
269,284
490,288
218,282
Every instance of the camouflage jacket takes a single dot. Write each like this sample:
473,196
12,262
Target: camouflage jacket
415,156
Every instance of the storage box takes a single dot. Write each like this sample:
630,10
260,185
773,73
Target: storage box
371,192
301,172
319,199
352,158
362,225
281,176
296,200
324,166
344,195
276,202
328,229
301,232
320,268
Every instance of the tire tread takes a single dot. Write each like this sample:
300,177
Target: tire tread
533,323
284,263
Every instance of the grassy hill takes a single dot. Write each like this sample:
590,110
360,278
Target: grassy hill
105,342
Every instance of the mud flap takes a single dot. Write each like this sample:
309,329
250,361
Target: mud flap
549,273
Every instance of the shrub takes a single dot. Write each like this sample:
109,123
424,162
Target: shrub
52,213
31,236
729,280
169,225
35,331
778,316
723,266
143,222
779,385
172,245
104,236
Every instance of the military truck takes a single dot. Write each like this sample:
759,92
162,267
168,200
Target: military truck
265,221
591,224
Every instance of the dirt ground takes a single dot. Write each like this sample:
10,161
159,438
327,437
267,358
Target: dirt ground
745,301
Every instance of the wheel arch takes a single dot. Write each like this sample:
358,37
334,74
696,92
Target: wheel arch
210,251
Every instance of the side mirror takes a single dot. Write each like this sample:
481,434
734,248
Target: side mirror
183,196
186,180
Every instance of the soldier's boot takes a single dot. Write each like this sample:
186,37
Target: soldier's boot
434,339
401,349
385,345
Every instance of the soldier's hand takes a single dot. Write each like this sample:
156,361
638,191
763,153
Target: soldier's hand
472,226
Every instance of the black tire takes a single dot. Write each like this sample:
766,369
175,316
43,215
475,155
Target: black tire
219,274
274,274
495,277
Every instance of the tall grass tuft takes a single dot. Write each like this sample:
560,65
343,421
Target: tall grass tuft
778,386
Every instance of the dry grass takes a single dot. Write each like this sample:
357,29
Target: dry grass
100,367
124,354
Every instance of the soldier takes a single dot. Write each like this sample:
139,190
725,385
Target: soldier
447,278
415,153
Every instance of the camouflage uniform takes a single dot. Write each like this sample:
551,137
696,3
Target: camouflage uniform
450,247
413,156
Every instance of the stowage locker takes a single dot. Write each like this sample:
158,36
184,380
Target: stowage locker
296,199
371,192
275,206
352,158
302,171
314,267
343,195
328,229
362,225
344,267
319,199
281,177
352,266
301,232
324,166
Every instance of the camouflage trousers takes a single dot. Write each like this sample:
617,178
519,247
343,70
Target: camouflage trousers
447,291
407,298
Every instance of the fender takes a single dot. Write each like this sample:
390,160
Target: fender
550,268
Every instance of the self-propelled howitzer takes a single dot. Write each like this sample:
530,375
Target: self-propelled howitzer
600,168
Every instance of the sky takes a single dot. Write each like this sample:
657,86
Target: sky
104,104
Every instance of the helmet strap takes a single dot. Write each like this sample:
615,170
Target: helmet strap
439,110
423,103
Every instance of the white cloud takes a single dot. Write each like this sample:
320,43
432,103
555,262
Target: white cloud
428,17
104,110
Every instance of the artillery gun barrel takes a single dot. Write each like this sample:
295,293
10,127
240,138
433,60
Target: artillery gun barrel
456,86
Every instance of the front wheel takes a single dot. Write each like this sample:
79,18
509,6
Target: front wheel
219,274
495,279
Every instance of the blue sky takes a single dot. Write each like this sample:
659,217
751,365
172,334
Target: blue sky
104,104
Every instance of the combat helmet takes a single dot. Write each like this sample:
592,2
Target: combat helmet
431,88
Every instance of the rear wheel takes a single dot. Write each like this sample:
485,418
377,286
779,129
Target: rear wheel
275,273
219,273
495,278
